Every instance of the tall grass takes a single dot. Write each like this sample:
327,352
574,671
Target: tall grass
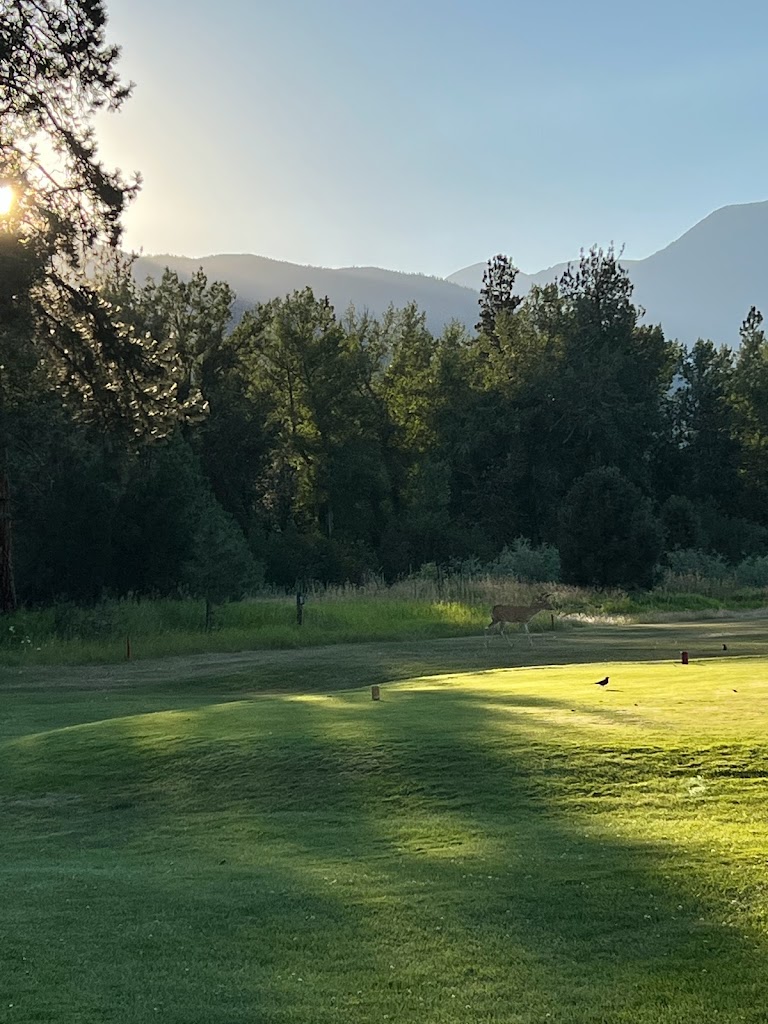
412,609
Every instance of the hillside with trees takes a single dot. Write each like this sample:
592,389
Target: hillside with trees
728,248
335,446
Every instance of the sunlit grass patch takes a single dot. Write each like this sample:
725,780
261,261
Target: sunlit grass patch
164,628
488,844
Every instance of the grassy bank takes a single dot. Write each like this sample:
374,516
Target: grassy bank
483,845
168,627
413,610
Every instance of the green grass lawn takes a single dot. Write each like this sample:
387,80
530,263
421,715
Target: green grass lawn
251,838
165,627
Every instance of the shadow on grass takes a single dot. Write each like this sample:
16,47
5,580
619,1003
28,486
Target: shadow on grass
425,860
531,899
323,669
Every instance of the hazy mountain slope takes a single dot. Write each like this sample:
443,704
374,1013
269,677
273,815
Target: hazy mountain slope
701,285
257,279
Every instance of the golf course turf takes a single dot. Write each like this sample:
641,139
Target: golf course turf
252,838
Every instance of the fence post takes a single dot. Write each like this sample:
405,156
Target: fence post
299,607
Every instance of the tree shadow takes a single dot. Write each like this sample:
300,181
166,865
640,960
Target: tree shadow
616,927
166,682
454,859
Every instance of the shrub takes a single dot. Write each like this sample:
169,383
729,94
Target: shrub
733,537
697,563
527,563
752,572
293,558
221,567
72,622
608,534
681,523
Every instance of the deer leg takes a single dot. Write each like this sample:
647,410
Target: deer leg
487,632
505,634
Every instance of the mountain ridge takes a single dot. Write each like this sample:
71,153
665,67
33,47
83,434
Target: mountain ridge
673,285
702,284
260,278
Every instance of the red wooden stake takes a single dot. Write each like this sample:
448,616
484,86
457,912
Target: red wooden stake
684,657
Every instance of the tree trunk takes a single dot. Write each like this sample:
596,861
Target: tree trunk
7,584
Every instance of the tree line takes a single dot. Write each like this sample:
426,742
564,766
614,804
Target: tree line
332,446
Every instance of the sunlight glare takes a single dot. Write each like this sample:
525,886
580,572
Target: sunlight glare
6,199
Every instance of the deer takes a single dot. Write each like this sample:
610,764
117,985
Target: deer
503,614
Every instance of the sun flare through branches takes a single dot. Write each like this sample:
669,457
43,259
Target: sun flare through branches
6,199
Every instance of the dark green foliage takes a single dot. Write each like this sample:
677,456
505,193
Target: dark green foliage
608,533
220,566
750,401
157,518
312,381
705,427
526,562
68,486
570,381
497,296
56,329
614,375
293,559
360,487
337,448
734,537
72,621
681,523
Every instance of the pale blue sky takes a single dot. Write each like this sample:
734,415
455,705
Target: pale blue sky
425,135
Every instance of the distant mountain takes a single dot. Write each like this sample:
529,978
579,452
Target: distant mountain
700,286
257,279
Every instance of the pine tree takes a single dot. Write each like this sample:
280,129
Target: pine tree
56,72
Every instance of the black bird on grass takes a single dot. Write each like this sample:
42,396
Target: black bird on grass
602,682
725,647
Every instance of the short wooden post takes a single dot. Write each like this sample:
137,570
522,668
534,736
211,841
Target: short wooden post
375,693
127,648
552,619
684,657
299,608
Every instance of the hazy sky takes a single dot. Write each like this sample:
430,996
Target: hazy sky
422,135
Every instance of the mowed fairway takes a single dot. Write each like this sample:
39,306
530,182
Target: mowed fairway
493,841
